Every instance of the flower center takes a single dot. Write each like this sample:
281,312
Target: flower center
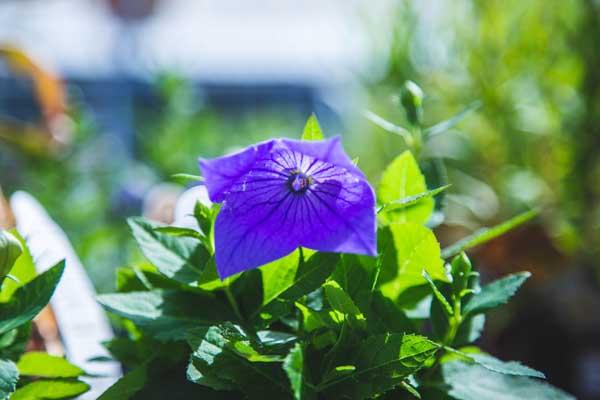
299,182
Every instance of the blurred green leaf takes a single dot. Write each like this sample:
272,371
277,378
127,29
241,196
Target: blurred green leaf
10,251
23,270
450,123
504,367
28,300
486,234
50,390
44,365
388,126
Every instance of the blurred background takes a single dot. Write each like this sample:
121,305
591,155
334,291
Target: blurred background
102,101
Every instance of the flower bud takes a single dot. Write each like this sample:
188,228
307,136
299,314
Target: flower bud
10,250
411,97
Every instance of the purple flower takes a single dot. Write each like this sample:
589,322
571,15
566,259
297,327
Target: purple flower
281,194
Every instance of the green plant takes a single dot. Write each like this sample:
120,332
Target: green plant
32,375
313,324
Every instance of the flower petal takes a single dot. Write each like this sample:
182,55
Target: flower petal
329,151
340,214
256,222
221,173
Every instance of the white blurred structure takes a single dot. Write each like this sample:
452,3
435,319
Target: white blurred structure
308,41
81,321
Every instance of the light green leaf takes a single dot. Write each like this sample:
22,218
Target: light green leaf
382,362
293,365
28,300
411,200
309,276
23,271
167,314
474,382
177,231
495,293
486,234
416,249
187,178
50,390
448,124
388,126
402,179
10,250
177,257
9,375
44,365
279,276
312,129
341,301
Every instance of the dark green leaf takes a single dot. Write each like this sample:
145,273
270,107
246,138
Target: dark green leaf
495,294
382,362
486,234
9,375
28,300
341,301
167,314
178,257
217,363
10,250
312,129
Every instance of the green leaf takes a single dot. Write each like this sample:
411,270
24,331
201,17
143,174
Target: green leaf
28,300
217,362
177,231
9,375
389,127
495,293
448,124
446,307
46,366
294,367
279,276
382,362
10,250
384,316
167,314
341,301
187,178
411,200
23,271
177,257
474,382
312,129
310,275
504,367
128,385
14,342
415,248
50,390
401,179
486,234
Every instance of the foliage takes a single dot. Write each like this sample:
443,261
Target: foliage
33,375
316,325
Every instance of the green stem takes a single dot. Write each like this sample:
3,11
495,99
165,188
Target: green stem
234,304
